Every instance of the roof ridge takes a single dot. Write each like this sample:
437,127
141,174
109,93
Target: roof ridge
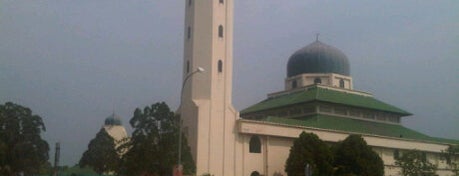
328,122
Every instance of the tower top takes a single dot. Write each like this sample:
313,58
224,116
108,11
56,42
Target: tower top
113,120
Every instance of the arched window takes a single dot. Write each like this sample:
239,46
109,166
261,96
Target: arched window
317,81
220,66
255,173
187,66
190,2
221,1
220,31
294,84
424,156
341,83
255,145
189,32
396,154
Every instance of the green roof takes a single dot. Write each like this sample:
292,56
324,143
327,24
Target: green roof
316,93
358,126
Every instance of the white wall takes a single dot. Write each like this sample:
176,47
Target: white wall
278,139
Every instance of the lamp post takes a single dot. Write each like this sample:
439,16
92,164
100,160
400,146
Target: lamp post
179,162
307,170
56,158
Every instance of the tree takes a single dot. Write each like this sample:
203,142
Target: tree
101,154
153,147
452,158
22,150
309,149
354,157
46,168
415,163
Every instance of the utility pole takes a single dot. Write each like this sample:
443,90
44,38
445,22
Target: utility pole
56,158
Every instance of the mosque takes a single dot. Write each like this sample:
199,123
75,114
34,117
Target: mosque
318,98
114,127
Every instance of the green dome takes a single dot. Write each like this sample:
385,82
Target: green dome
318,57
113,120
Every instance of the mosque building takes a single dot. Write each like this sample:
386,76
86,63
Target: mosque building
114,127
318,98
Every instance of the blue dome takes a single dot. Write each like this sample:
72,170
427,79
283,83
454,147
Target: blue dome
318,57
113,120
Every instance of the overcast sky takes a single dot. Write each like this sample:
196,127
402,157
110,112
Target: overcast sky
74,62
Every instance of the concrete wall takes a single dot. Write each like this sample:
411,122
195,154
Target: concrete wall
279,138
206,107
328,79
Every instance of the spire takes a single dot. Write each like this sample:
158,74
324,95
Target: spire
113,106
317,37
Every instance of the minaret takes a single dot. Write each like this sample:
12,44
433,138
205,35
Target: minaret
209,119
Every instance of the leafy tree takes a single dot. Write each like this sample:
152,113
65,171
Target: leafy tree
46,168
309,149
22,150
452,158
101,154
415,163
153,147
354,157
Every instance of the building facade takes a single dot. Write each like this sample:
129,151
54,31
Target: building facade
114,127
318,98
209,118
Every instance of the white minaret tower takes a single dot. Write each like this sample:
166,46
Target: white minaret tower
209,119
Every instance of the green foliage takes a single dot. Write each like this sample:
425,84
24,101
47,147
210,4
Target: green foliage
21,147
46,168
415,163
153,145
309,149
101,154
354,157
452,158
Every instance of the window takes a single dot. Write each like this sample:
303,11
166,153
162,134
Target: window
255,173
255,145
325,108
187,66
221,1
340,111
295,111
317,81
189,32
190,2
393,119
309,109
368,115
396,154
220,31
220,66
354,113
341,83
294,84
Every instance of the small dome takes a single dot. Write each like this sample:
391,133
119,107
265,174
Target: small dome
318,57
113,120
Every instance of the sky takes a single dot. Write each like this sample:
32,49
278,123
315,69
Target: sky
76,62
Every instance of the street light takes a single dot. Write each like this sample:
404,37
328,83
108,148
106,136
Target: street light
307,170
179,162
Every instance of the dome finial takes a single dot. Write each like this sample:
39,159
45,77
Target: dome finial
113,106
317,37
